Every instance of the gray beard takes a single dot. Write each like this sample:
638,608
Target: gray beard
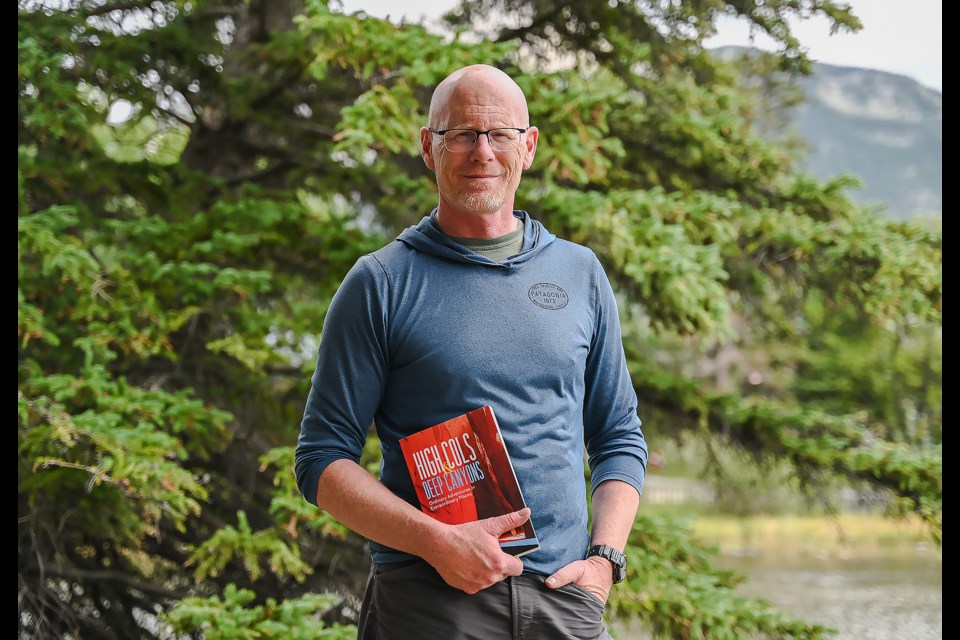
483,202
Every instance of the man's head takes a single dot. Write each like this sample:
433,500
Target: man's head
480,179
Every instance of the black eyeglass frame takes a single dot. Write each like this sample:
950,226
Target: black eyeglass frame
441,132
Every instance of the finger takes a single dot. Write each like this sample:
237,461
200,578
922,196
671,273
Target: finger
564,576
557,580
499,524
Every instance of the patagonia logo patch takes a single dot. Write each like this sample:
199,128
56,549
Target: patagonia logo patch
548,296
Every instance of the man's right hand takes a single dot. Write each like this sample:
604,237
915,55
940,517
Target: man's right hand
468,556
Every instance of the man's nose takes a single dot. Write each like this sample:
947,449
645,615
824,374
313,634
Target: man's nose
482,146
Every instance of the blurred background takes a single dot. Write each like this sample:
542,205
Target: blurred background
195,179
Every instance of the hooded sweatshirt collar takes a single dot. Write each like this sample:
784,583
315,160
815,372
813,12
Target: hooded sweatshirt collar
427,237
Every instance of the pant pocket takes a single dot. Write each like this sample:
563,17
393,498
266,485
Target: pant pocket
414,602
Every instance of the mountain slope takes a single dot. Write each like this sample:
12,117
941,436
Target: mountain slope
884,128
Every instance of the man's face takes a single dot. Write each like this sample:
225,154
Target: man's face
481,180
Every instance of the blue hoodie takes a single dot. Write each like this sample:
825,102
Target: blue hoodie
425,329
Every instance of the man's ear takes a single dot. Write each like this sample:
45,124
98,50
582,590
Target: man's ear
426,148
530,139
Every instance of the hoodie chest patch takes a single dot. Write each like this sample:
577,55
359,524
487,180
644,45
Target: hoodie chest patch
548,296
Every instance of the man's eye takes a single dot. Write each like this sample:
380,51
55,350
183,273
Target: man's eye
460,136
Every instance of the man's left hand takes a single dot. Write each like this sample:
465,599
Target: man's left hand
595,574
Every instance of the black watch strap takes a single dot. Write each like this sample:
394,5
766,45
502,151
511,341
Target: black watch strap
616,558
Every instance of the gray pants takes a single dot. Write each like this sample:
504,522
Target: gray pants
411,601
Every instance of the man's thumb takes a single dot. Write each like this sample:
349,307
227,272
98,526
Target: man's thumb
560,578
500,524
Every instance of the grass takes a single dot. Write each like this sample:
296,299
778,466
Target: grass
841,536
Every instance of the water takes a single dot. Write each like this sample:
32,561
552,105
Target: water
874,598
877,598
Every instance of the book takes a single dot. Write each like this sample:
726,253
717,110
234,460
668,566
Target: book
462,473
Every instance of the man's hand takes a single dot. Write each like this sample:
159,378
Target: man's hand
593,574
469,557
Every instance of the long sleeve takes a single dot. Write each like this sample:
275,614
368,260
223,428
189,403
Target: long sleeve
346,387
612,435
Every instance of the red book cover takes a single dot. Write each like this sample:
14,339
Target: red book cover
462,473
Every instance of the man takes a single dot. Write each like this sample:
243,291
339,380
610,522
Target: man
478,304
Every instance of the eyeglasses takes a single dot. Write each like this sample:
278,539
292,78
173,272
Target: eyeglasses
461,140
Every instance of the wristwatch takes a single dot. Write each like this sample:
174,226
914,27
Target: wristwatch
616,558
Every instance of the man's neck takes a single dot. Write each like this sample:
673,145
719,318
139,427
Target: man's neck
476,225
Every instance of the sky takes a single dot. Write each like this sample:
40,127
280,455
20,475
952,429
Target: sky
900,37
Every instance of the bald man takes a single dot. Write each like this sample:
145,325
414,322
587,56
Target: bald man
478,304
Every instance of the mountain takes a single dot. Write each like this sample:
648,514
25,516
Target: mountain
885,128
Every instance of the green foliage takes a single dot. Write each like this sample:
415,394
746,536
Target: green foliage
240,543
815,443
174,270
893,376
287,506
233,617
125,447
